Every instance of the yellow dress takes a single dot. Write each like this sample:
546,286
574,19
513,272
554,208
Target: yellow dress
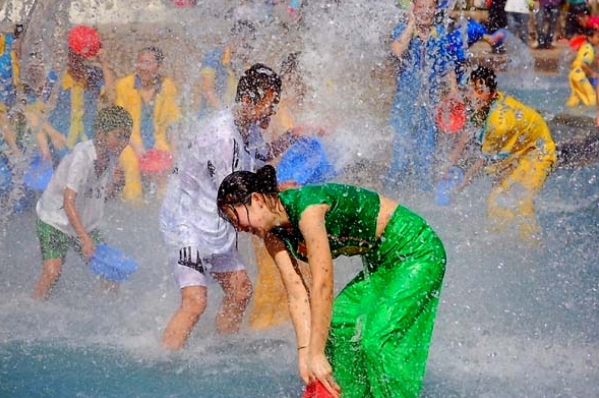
166,112
582,89
521,151
270,307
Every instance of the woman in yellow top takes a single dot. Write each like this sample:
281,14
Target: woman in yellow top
582,72
517,149
151,100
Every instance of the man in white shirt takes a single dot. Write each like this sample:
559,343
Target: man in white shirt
200,242
71,208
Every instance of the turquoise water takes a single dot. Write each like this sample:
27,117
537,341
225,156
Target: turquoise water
58,369
512,321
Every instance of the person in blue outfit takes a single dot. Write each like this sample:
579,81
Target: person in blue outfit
221,68
463,35
421,46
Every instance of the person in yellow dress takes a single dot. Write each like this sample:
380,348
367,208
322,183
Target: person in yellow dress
517,150
269,308
582,73
150,98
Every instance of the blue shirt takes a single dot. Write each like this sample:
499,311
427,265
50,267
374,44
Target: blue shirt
60,117
147,128
472,32
422,67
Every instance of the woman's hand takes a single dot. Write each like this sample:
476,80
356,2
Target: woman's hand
320,369
411,18
302,360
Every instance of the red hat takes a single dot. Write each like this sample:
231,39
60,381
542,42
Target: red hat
85,41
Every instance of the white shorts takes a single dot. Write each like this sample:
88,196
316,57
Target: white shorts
226,262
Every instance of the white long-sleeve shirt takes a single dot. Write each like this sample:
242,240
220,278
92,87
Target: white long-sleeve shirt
189,215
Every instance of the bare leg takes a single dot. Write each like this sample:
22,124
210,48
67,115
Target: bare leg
238,291
50,274
193,304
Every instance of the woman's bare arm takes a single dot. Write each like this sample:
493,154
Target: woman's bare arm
312,226
297,293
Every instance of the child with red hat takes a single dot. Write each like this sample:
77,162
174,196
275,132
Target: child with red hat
87,79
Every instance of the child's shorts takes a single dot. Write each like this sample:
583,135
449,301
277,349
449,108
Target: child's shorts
55,243
217,263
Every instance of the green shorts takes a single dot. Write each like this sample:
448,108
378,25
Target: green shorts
55,243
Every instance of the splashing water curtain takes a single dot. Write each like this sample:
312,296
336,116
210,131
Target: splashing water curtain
512,321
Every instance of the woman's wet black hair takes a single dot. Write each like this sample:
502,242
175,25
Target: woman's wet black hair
237,188
256,81
486,76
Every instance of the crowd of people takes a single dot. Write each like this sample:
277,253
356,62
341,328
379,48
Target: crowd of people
106,137
552,19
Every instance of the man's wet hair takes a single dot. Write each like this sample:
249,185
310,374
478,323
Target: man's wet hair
112,118
158,54
485,76
256,81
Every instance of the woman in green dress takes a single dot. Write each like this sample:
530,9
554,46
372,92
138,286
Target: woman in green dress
373,340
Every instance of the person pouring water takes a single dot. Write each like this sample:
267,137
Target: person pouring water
71,208
373,339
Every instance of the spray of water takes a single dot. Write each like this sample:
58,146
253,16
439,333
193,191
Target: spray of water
513,321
